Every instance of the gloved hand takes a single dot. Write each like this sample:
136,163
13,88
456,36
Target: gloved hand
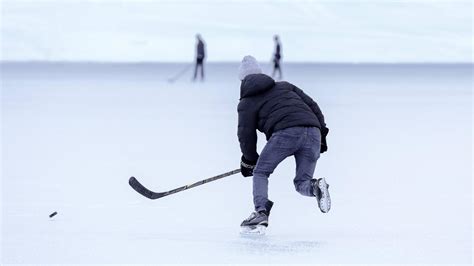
246,167
324,144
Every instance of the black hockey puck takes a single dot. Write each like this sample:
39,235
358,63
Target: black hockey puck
53,214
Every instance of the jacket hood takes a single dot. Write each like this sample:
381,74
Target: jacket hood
255,84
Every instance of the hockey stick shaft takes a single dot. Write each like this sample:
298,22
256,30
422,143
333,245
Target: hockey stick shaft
137,186
179,74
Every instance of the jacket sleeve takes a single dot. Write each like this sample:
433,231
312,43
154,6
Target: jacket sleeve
247,130
312,104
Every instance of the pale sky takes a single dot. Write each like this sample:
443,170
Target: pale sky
311,31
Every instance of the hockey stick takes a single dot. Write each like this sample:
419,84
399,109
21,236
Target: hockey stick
156,195
177,76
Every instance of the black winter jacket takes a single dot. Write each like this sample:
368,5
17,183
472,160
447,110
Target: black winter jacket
200,52
270,106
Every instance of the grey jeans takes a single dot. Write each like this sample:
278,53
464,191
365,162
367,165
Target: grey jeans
302,142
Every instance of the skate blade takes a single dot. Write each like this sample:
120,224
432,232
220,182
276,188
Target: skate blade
253,230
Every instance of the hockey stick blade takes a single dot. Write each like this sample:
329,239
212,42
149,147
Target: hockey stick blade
138,187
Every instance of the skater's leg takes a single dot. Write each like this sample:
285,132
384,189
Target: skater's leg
266,164
306,158
202,70
195,70
278,147
275,67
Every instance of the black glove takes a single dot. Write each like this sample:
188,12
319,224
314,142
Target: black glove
324,144
246,167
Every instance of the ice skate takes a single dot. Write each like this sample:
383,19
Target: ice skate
320,188
255,224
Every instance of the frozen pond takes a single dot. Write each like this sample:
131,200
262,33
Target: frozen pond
399,165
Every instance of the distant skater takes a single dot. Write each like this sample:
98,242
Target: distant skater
294,127
200,55
277,58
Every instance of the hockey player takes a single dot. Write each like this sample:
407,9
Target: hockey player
200,55
293,125
277,57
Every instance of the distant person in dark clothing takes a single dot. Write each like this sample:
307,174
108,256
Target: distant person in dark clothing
277,57
293,125
200,55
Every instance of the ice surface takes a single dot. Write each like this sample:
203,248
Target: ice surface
399,166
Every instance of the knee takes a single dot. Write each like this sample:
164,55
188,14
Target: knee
261,173
263,169
302,186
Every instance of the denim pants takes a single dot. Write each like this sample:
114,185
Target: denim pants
304,144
